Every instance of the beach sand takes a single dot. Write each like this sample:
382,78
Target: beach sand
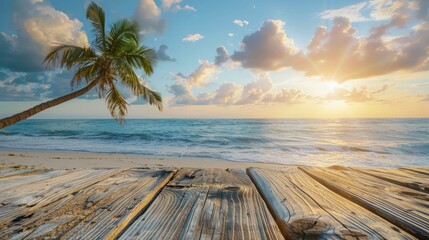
62,160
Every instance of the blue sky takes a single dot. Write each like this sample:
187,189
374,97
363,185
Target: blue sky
281,58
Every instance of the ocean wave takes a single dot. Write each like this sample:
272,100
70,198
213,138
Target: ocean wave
285,141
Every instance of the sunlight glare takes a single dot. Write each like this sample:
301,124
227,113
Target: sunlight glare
336,104
332,86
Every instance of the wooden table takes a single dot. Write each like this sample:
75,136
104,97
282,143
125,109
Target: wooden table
291,202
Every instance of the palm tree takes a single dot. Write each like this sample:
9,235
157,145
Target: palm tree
112,58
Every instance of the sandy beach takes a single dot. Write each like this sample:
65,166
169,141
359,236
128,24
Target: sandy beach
85,160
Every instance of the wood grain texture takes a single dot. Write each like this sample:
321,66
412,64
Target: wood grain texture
24,200
113,202
413,180
421,170
118,207
404,207
206,204
303,208
13,171
15,181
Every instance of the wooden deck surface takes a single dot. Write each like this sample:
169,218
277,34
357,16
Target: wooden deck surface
260,203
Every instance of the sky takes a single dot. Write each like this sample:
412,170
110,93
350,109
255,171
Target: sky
233,58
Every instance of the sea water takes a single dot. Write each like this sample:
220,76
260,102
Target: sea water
321,142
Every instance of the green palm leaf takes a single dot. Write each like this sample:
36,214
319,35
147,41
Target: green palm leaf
96,17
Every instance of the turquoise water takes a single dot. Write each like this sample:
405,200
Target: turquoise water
371,142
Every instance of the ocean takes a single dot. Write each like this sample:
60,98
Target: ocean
320,142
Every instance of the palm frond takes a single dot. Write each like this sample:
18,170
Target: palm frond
154,98
130,79
87,71
116,103
96,17
68,56
123,36
142,57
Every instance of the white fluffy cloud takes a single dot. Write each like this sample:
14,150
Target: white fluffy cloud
268,49
352,12
169,3
362,94
286,95
37,29
193,37
174,6
257,91
148,15
203,74
337,53
187,8
241,23
378,10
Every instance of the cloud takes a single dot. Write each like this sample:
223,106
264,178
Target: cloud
379,10
189,8
255,92
423,9
286,95
230,34
352,12
241,23
193,37
384,88
161,55
362,94
267,49
37,86
169,3
227,94
201,76
385,9
37,29
174,6
222,55
337,53
148,15
183,95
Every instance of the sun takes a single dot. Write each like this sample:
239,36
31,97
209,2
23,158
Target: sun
331,86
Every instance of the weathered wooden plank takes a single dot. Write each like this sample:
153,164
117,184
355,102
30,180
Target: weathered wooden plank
13,171
27,198
206,204
48,221
111,205
416,181
15,181
303,208
198,177
421,170
406,208
21,227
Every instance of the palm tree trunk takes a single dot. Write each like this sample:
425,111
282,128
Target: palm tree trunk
32,111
